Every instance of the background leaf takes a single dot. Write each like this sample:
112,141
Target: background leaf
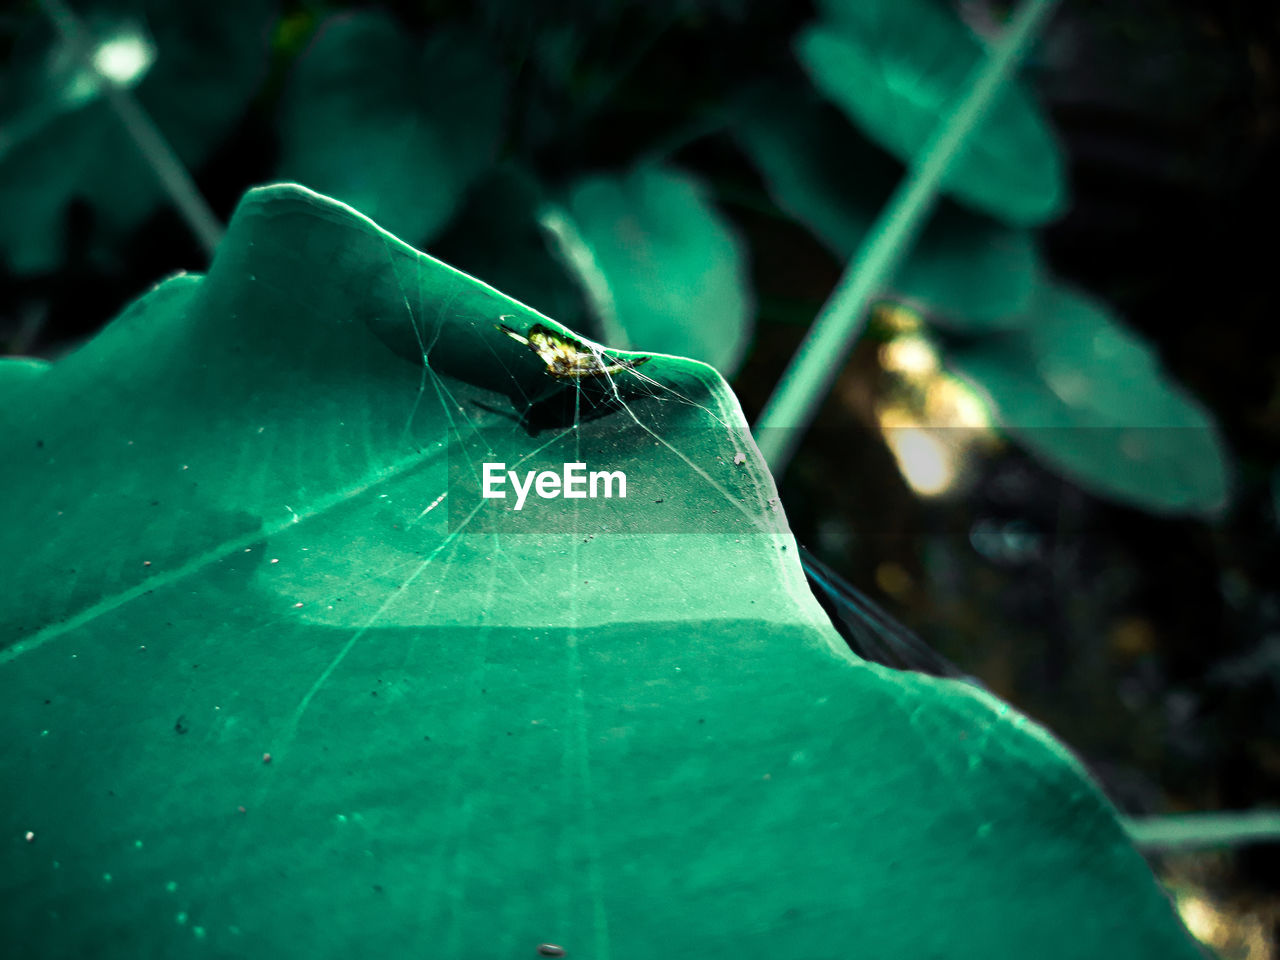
971,272
397,129
1090,398
296,699
662,269
61,141
895,68
496,235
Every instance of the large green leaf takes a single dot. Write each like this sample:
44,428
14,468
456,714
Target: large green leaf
60,140
897,67
243,521
969,271
397,128
1089,398
662,269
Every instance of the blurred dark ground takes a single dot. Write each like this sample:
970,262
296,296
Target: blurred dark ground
1149,644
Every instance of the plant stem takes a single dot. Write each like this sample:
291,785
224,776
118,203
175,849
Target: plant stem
168,169
1198,830
155,149
821,355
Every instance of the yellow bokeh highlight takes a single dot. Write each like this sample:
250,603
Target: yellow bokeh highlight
929,419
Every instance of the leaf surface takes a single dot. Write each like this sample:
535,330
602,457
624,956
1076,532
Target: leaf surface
276,679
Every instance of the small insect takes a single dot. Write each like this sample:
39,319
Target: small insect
566,358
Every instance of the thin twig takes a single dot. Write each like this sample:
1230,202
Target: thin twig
1190,831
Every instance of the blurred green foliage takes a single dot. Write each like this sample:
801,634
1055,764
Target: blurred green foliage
394,127
657,263
416,116
895,69
1088,397
968,271
60,142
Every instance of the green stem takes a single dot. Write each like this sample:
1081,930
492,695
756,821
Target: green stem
1198,830
820,357
155,149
